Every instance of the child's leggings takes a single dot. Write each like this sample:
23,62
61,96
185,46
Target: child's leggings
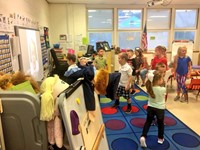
181,82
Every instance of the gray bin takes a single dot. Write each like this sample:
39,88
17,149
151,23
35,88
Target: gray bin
22,128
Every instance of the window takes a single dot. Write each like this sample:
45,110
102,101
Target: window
129,23
101,19
157,38
100,36
129,19
158,26
129,39
158,18
186,19
184,35
100,26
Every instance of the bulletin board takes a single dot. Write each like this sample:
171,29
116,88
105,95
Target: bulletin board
177,44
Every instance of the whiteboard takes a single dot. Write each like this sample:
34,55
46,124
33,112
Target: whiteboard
30,57
89,130
176,45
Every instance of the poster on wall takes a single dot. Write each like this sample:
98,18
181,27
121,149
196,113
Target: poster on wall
46,37
30,58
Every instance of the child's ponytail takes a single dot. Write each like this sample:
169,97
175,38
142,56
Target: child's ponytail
153,79
149,84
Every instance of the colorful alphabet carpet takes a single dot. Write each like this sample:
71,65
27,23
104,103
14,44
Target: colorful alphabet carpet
123,130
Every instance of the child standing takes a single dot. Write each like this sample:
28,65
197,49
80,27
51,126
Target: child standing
160,56
100,60
143,69
156,107
125,81
132,63
139,62
183,67
71,60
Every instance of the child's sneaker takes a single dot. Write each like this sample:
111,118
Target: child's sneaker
184,101
132,91
143,142
176,98
160,141
128,111
115,105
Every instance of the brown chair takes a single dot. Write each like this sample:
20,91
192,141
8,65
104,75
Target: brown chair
194,85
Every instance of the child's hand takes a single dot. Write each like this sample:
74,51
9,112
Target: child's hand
127,87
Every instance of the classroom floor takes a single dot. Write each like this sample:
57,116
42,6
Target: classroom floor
188,113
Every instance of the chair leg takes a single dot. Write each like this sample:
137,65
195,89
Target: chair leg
197,94
185,97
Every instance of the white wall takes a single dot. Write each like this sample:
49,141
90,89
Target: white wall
35,9
69,19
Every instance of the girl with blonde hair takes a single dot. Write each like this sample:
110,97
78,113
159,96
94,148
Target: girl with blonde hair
182,67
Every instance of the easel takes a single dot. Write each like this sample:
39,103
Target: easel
179,43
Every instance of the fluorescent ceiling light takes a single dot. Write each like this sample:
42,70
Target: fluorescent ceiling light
183,10
92,10
133,11
120,17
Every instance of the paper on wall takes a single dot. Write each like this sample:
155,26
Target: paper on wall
15,45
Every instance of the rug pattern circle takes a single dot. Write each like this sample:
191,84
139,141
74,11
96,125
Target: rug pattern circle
141,98
138,122
105,100
124,144
186,140
169,121
145,106
152,143
122,99
134,109
115,124
109,110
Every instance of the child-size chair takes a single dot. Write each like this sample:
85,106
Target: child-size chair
194,85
